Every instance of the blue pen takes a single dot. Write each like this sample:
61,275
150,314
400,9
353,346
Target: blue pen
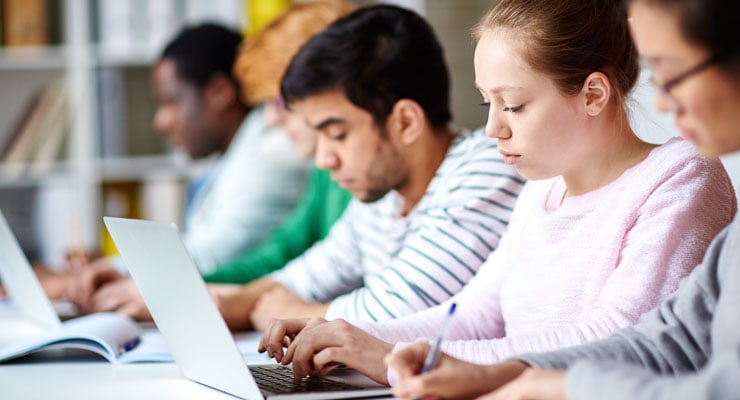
128,346
433,354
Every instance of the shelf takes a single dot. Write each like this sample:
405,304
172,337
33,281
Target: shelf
142,168
132,57
30,174
33,58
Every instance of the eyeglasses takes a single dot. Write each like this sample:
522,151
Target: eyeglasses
668,85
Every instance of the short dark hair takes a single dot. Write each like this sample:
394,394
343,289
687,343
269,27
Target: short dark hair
376,56
712,24
201,51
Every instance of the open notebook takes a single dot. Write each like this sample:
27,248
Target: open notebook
188,319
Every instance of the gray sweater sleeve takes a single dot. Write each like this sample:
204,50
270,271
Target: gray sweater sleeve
688,348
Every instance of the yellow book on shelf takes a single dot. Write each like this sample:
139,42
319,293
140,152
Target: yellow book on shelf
25,22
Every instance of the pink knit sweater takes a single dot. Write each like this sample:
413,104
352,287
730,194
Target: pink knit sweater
571,273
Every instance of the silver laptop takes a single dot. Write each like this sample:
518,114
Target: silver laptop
197,335
29,299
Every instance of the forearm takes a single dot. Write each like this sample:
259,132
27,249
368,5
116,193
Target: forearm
607,381
613,347
496,375
236,306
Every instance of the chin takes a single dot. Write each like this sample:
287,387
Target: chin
370,196
710,152
533,175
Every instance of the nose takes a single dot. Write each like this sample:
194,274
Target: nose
325,158
496,126
665,102
162,121
274,114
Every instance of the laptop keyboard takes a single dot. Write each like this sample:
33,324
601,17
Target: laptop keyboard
279,379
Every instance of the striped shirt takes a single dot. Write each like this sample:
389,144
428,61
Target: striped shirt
377,265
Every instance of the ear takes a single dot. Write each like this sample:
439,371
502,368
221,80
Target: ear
597,93
407,121
220,92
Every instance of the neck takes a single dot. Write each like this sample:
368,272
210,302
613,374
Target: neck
424,159
231,120
607,155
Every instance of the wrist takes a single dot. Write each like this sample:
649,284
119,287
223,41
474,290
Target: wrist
493,376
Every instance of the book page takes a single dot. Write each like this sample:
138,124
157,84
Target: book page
107,334
151,348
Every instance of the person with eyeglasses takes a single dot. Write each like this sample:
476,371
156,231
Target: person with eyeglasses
689,346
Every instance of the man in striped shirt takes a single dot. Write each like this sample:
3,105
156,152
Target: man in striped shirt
429,204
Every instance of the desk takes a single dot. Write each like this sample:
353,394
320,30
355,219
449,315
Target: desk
99,380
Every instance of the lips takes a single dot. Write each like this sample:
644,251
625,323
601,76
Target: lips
509,158
686,133
343,182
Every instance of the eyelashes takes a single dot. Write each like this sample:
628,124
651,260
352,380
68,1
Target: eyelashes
512,109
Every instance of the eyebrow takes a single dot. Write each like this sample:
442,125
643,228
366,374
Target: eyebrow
328,122
648,61
504,88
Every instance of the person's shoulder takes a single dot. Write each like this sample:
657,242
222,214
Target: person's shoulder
677,166
677,150
679,154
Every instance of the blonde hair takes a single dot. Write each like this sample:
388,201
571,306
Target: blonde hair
263,59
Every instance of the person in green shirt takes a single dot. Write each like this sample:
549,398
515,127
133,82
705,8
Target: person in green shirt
321,205
259,67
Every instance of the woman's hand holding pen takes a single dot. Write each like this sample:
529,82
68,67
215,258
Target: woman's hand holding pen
450,379
316,346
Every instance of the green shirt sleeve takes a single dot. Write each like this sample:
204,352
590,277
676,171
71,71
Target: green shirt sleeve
321,205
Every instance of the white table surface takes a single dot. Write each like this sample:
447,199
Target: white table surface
79,376
99,380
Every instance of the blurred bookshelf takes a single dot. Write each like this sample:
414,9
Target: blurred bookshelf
76,111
